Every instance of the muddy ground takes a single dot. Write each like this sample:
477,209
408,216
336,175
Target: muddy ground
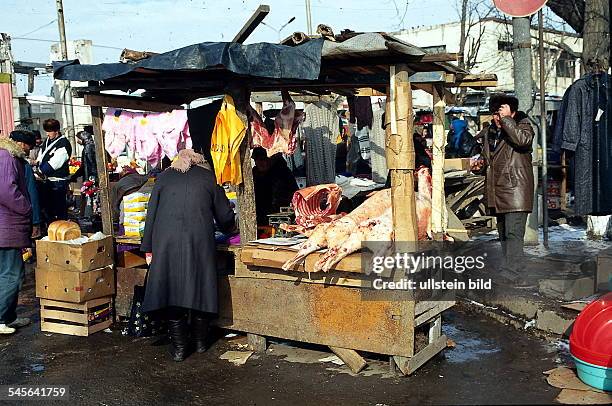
491,364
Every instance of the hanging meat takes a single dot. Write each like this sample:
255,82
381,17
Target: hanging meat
371,221
316,204
283,137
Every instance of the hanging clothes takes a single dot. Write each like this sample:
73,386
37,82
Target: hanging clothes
118,130
360,109
171,131
377,148
320,132
147,147
576,130
285,125
227,136
363,136
201,121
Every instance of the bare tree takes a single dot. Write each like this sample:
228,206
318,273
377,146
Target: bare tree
472,14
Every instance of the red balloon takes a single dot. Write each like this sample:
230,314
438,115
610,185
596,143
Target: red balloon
519,8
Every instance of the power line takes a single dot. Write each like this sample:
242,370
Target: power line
39,28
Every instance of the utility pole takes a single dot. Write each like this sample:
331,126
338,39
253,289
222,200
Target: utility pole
543,127
523,88
308,17
67,96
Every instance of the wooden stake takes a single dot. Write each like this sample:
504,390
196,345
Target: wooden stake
439,216
103,184
400,155
246,190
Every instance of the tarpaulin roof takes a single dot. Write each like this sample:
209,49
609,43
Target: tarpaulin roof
264,60
317,66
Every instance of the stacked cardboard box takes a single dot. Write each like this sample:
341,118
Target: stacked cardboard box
76,284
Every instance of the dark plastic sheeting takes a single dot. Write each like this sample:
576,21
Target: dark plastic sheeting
264,60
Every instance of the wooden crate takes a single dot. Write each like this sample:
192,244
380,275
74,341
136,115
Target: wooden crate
78,319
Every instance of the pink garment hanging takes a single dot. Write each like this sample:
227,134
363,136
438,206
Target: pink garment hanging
285,126
146,146
7,118
118,131
172,132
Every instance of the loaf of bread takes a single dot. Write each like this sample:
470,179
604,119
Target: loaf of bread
62,230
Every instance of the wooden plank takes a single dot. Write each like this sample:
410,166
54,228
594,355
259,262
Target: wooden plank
434,311
257,343
577,307
400,156
378,322
331,278
439,216
63,316
408,366
127,102
441,57
50,327
350,357
101,163
482,83
246,190
248,28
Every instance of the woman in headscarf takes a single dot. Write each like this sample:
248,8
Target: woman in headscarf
179,233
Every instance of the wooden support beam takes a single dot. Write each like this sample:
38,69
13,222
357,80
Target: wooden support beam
409,365
246,190
257,343
103,184
127,102
439,216
481,83
442,57
400,155
350,357
248,28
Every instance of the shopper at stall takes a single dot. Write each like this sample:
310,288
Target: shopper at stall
88,156
53,164
15,231
179,233
509,177
26,140
274,184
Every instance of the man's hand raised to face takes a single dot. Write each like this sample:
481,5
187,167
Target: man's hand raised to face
504,111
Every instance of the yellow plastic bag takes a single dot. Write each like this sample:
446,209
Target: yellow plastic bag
227,136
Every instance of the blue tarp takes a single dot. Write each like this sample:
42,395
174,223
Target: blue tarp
264,60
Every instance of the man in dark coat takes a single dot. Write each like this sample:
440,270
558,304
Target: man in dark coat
15,231
273,182
509,176
185,204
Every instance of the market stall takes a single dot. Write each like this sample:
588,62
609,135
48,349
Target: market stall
256,295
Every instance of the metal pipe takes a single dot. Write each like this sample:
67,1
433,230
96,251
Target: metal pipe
308,18
543,128
67,96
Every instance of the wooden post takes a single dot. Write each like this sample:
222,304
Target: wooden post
439,215
105,203
400,155
351,358
246,190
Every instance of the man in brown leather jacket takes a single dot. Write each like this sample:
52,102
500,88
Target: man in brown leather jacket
509,176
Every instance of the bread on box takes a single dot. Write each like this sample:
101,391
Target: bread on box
63,230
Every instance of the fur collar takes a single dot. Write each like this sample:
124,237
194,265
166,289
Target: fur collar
12,147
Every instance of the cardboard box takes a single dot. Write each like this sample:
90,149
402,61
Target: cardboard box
131,259
74,287
76,258
457,164
76,319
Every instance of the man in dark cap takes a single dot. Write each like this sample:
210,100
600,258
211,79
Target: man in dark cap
509,177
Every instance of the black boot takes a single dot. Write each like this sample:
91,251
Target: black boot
179,338
199,331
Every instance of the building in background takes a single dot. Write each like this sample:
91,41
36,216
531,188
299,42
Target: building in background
83,51
490,45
